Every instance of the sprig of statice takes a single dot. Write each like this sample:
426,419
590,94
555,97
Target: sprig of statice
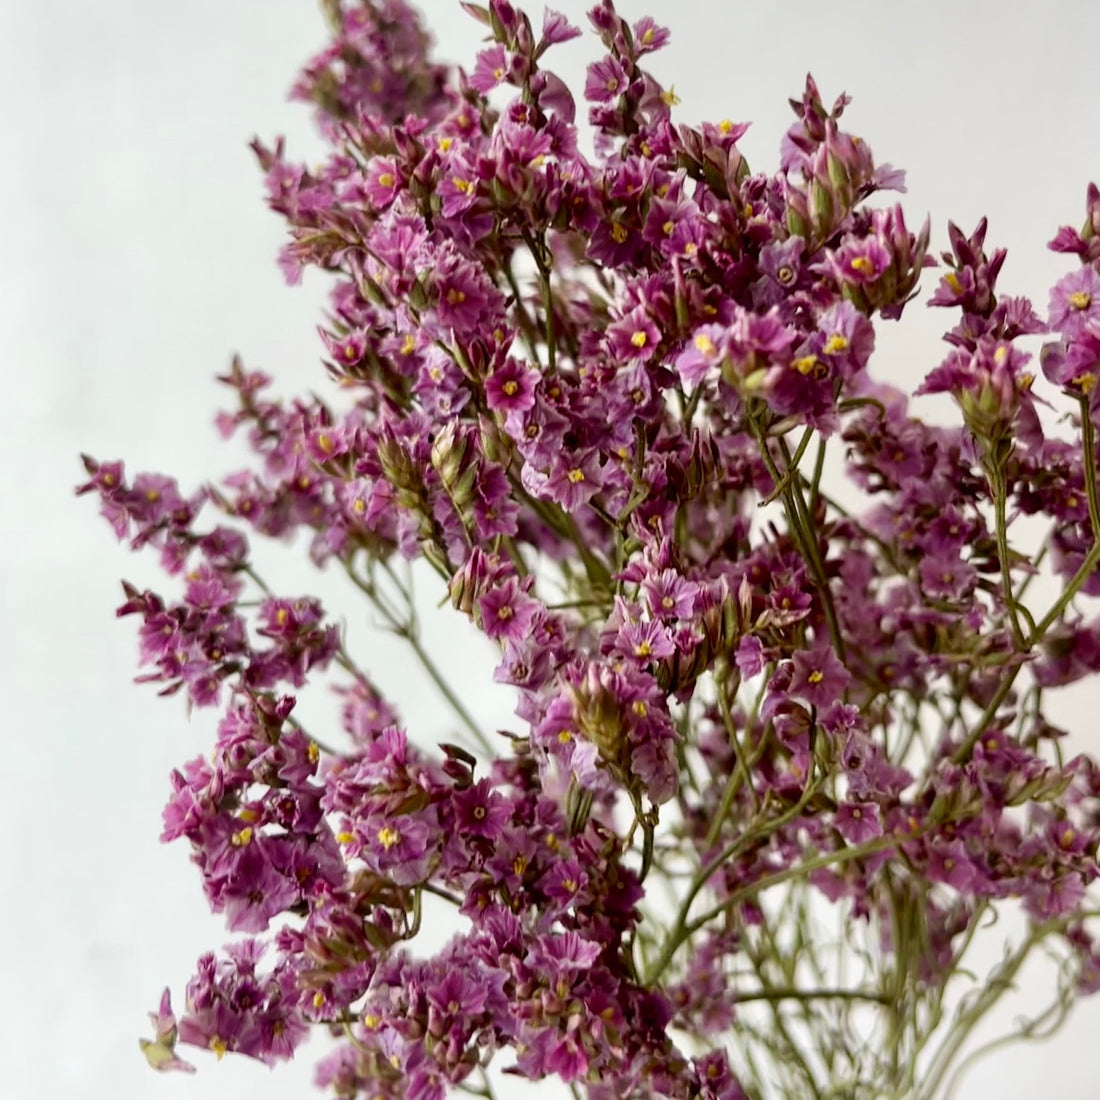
596,395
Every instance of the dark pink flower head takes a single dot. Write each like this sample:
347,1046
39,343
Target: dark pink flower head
634,336
881,270
563,955
847,338
458,186
1075,366
781,261
645,642
481,811
507,612
1075,303
649,36
573,480
401,847
383,182
607,80
1085,243
675,225
858,262
858,822
990,386
492,68
972,277
818,676
755,342
669,595
946,576
255,890
556,28
705,350
805,135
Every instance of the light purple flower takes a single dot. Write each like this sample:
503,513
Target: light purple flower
1075,303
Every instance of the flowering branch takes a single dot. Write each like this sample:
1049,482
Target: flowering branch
571,385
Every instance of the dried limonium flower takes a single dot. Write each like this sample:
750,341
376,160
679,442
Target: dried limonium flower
585,391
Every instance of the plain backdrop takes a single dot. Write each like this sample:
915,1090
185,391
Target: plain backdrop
136,255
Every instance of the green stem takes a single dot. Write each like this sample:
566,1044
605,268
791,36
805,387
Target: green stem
999,489
538,251
407,631
801,529
797,870
741,774
526,325
562,523
1000,982
792,466
681,929
793,993
962,753
819,469
817,562
1037,1029
1092,558
1088,441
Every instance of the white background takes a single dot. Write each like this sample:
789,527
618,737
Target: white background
136,255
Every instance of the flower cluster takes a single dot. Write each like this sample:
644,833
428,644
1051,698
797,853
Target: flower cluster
596,395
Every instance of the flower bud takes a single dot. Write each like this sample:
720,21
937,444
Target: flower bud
401,471
472,581
599,717
455,460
